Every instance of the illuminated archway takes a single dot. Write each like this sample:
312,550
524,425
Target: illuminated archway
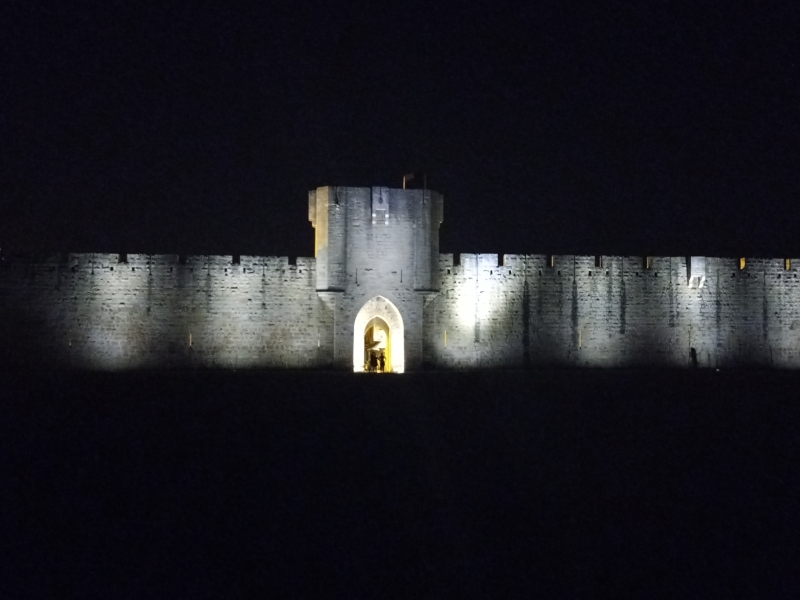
377,346
379,318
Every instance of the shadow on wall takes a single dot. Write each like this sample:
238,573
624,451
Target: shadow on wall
647,346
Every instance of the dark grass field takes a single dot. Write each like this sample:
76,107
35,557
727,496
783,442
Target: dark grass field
572,484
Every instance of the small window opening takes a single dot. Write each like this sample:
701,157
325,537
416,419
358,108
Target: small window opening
552,260
448,271
787,264
648,262
123,258
742,263
590,273
598,262
235,259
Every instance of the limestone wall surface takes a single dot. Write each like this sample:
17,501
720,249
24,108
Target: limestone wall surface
375,244
369,235
93,311
536,310
153,311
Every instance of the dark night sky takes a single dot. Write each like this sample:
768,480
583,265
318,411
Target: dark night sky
627,128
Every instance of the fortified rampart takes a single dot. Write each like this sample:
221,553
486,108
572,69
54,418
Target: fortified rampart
93,311
378,270
614,311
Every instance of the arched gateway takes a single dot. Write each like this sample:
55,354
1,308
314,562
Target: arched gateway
376,257
378,331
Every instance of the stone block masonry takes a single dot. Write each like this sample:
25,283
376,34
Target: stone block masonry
377,258
610,311
93,311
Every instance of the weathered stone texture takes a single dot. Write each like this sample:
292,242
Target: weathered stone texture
613,312
390,239
109,311
91,311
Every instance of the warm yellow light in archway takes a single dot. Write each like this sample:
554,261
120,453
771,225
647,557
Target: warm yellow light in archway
378,342
380,312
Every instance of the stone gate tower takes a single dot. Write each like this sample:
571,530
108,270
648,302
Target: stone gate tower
377,253
379,289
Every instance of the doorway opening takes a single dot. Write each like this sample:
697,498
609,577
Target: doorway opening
378,344
377,347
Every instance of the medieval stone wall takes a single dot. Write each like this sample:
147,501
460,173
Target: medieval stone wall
375,243
613,312
93,311
374,235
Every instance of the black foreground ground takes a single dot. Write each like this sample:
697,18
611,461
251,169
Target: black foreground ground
506,484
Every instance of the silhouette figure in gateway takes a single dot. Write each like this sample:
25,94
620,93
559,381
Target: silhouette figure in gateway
378,344
379,297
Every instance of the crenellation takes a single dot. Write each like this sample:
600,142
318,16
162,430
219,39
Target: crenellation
377,249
